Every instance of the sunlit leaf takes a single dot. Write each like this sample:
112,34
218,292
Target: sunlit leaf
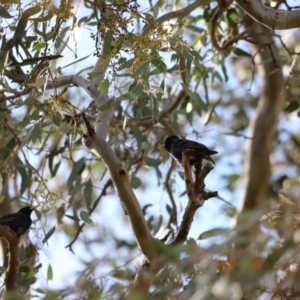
212,233
103,86
49,273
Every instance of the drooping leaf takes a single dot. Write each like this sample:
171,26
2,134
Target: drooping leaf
135,182
4,13
88,193
107,43
48,234
49,273
85,217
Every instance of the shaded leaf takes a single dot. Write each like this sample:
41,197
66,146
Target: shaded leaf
88,193
4,13
107,42
85,217
34,60
240,52
135,182
48,234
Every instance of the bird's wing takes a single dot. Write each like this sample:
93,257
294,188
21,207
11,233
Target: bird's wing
7,219
188,144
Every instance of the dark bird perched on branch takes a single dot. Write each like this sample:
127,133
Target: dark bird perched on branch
176,146
20,221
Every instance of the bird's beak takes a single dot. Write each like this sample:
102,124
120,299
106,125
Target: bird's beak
161,146
34,207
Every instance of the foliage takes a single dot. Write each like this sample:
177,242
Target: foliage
162,78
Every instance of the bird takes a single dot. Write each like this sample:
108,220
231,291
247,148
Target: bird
176,146
20,221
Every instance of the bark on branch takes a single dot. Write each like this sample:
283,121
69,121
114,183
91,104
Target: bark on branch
120,178
270,17
195,191
13,240
264,124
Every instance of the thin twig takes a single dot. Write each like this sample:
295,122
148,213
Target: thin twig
103,193
173,215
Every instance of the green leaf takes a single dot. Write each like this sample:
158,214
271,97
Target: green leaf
240,52
25,272
145,207
135,182
48,234
152,162
293,105
103,86
107,43
135,89
51,156
37,132
4,13
93,76
56,118
34,60
138,135
76,61
24,175
21,26
76,171
26,282
160,65
49,273
85,217
8,149
39,46
197,100
30,251
40,291
88,193
213,232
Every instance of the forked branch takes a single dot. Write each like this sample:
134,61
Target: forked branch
195,191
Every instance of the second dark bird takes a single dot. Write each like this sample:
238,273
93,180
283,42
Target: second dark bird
19,221
176,146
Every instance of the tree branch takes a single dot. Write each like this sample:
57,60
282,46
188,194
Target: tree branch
195,191
183,12
103,193
270,17
263,125
13,240
120,178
